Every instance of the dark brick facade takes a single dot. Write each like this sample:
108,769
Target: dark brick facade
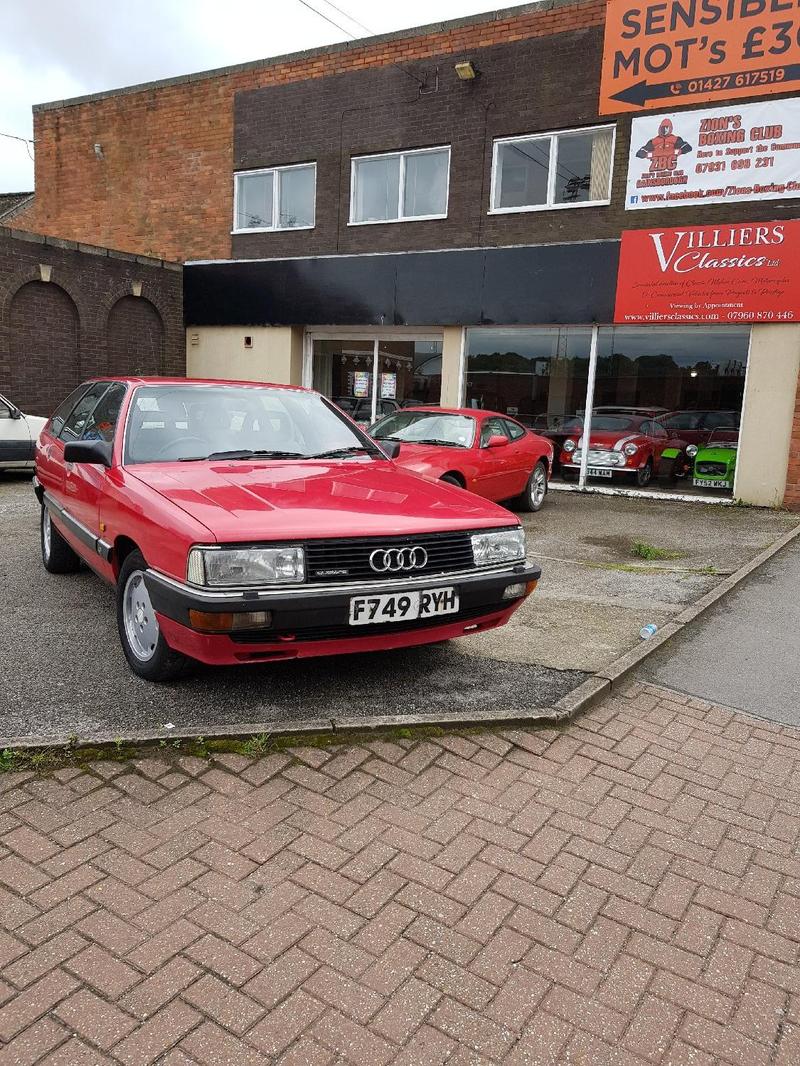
70,312
526,86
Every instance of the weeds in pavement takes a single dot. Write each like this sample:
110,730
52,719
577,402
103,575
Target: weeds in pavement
257,745
650,551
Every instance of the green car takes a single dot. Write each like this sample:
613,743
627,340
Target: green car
715,461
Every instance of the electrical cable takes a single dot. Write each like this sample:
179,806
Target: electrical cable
25,140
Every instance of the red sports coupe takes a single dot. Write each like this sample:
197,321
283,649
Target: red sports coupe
490,454
624,445
242,522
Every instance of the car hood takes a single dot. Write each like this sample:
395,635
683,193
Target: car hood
435,455
721,453
240,501
604,438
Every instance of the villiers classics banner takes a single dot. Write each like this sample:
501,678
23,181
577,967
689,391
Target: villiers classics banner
724,274
725,155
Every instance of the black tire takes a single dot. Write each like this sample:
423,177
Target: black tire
569,475
452,479
644,475
148,654
533,497
57,556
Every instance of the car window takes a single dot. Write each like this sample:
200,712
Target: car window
683,420
5,410
721,420
102,422
492,427
613,423
658,430
76,423
514,429
56,423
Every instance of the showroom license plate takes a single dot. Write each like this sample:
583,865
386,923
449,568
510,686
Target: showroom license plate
402,606
597,471
700,483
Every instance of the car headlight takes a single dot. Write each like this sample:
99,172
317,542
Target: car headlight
630,449
502,546
691,451
246,566
570,446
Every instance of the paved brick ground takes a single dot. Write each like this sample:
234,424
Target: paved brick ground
623,891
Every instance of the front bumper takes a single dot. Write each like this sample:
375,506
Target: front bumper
309,621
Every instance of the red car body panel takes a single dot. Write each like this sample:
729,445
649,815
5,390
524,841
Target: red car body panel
494,473
164,508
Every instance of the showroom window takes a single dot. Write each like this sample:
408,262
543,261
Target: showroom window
673,396
399,186
275,199
550,170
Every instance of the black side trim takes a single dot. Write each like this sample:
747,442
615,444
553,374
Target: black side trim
16,451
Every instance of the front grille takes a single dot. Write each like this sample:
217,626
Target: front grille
713,469
343,630
332,561
600,457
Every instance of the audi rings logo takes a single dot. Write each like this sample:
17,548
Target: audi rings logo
393,560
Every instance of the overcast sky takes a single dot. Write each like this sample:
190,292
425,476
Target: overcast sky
53,49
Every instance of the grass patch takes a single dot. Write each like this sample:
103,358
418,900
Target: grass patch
649,551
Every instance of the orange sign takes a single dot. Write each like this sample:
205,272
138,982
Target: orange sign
673,53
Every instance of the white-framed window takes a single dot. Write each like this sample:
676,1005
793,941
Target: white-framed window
544,171
274,199
399,186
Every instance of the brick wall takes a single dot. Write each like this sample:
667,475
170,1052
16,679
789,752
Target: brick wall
163,186
85,320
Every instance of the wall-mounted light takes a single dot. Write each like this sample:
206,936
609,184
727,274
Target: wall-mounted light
98,151
693,374
465,71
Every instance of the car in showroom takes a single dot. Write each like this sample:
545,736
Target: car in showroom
629,446
18,434
715,461
487,453
243,523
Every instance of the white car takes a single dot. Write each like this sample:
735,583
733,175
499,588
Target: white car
18,436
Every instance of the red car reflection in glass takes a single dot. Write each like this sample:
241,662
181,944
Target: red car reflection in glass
485,452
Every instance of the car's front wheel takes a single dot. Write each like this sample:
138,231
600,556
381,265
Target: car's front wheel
644,475
535,490
57,556
148,654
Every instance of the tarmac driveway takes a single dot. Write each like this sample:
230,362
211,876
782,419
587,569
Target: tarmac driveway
62,671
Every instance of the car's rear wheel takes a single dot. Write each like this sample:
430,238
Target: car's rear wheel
535,490
57,556
148,654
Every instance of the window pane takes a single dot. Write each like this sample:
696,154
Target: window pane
297,197
377,189
583,167
76,423
522,169
425,191
254,201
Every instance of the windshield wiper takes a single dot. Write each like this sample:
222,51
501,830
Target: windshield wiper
337,453
248,453
432,440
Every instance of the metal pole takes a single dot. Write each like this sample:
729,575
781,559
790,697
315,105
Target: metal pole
375,367
587,417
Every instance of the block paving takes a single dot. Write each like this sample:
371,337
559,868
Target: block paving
622,890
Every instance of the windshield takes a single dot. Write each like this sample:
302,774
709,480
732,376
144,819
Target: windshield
613,423
168,423
426,427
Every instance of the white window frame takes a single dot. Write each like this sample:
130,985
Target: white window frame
551,136
276,198
403,154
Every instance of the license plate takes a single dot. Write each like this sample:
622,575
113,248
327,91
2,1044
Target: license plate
701,483
402,606
597,471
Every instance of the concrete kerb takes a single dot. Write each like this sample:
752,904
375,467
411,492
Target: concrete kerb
601,683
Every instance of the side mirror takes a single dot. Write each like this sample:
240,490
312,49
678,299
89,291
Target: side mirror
16,414
94,452
390,447
497,441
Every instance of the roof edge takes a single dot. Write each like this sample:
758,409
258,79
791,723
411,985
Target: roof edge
15,209
497,15
91,249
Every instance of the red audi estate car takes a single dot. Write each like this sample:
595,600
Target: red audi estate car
488,453
243,522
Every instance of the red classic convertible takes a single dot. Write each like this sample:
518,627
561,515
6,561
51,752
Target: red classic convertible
243,522
488,453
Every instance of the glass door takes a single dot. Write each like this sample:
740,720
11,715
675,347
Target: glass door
369,378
